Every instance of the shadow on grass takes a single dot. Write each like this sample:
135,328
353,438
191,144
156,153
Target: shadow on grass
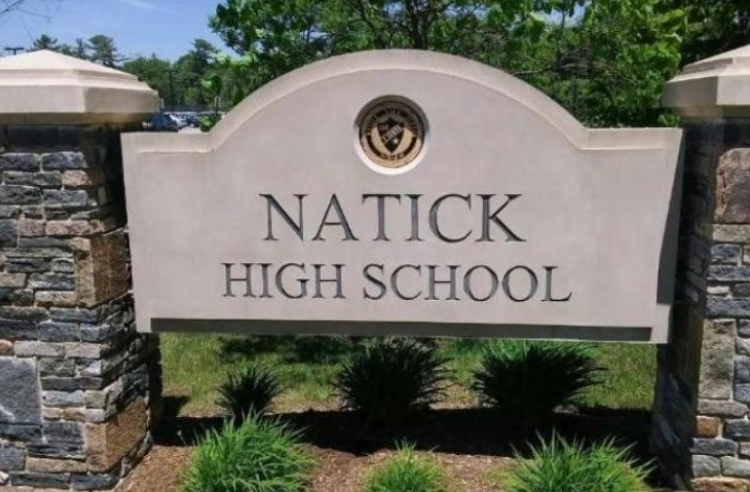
460,431
292,349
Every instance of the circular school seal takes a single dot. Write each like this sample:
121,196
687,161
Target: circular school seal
391,133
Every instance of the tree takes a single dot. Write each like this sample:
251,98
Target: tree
45,42
78,50
104,51
155,72
605,60
191,69
714,27
276,37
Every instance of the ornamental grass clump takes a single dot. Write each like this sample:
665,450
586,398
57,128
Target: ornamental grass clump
563,466
389,380
248,392
406,472
526,381
257,456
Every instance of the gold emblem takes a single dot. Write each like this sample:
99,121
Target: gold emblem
391,134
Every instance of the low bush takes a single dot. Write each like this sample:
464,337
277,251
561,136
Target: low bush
562,466
248,392
407,472
388,380
257,456
526,381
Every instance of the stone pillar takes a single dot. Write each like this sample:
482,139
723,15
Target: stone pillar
75,390
701,429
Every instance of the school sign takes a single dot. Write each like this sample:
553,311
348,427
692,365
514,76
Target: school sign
407,193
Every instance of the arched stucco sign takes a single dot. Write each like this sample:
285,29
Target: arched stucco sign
402,192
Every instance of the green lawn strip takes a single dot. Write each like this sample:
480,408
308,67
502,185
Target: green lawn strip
195,365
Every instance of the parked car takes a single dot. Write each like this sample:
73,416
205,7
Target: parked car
161,122
178,121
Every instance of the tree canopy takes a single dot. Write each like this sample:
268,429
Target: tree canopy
604,60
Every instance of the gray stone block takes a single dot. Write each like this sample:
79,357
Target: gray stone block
726,273
742,370
21,432
718,307
79,315
64,161
52,331
96,481
99,333
737,429
717,367
41,480
62,399
61,440
63,266
39,349
12,459
706,466
726,254
20,195
23,313
19,162
19,398
64,199
742,393
27,265
735,467
41,180
8,233
714,447
14,330
57,367
52,281
84,350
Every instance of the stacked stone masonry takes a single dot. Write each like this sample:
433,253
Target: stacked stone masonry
76,378
701,421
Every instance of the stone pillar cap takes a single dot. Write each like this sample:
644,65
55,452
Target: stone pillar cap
44,87
718,87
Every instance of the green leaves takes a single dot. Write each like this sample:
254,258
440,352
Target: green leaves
391,379
249,392
604,60
258,456
526,381
569,466
407,472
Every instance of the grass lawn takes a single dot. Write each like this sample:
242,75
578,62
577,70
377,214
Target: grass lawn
195,365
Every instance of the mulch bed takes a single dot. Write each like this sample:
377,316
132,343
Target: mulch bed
469,443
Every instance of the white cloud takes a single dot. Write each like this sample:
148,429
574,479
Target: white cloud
139,4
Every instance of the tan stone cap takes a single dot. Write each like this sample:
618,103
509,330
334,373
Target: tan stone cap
717,87
44,87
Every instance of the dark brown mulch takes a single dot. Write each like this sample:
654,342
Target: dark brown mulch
470,443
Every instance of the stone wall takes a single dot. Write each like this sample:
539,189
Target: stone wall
701,426
74,405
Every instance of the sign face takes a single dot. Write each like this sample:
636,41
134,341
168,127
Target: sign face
403,192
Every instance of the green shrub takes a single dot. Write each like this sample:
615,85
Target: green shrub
562,466
388,380
257,456
406,472
527,380
248,392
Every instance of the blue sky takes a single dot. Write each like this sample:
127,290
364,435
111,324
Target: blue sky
164,27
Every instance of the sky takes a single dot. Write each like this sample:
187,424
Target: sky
164,27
